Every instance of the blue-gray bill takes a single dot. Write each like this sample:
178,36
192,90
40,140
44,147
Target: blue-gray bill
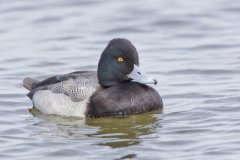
138,76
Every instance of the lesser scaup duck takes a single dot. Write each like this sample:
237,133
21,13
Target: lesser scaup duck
117,88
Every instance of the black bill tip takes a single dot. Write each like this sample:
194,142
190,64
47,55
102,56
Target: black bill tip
155,82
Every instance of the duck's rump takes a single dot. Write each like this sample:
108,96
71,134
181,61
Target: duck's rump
66,94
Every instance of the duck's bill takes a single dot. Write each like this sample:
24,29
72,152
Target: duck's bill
138,76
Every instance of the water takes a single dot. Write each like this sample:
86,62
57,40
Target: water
191,47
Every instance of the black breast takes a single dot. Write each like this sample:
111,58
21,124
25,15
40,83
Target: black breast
125,99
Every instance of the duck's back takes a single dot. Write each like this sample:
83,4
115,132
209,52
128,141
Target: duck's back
67,94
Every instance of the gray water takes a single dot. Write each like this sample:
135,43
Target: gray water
191,47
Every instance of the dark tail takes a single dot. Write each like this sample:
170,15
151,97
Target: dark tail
28,83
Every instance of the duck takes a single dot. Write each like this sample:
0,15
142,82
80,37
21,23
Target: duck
117,88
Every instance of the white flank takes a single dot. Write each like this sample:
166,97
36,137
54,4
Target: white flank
58,103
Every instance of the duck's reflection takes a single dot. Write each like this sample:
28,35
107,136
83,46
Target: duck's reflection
122,132
114,132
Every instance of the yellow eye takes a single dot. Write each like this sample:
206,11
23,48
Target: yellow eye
120,59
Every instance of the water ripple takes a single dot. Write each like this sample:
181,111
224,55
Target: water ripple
191,47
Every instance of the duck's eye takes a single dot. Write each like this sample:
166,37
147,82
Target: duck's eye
120,59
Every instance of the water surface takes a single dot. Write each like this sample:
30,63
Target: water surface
191,47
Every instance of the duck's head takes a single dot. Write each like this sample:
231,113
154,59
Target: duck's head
119,63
